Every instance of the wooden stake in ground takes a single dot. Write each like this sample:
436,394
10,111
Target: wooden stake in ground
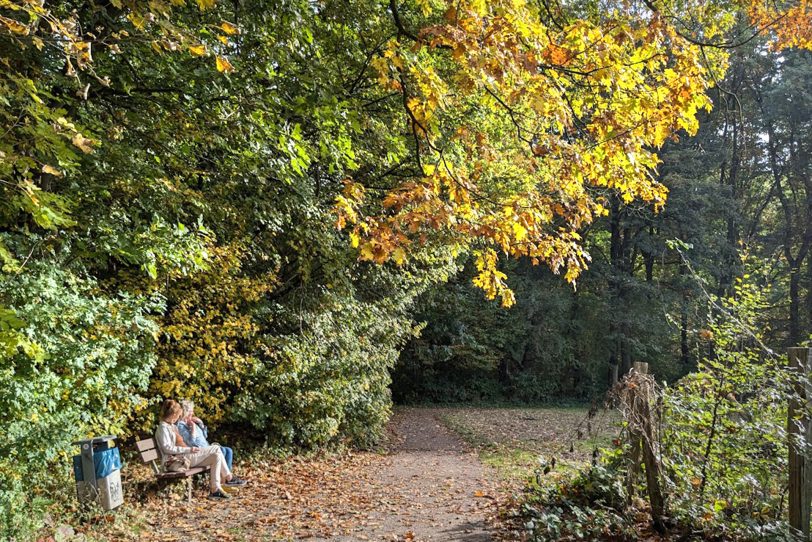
640,388
799,433
635,437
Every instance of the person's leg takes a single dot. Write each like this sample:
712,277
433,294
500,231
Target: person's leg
225,472
212,457
228,453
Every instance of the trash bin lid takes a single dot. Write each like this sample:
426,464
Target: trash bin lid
94,440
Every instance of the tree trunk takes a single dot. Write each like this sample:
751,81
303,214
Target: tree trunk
809,295
649,257
685,351
615,255
794,305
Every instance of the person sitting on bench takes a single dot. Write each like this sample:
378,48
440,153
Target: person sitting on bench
195,432
171,446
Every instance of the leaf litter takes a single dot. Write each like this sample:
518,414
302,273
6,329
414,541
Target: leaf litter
429,486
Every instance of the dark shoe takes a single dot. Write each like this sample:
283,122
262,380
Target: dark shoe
219,495
235,481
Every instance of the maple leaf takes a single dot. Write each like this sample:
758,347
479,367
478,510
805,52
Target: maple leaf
229,28
15,26
557,55
223,65
399,256
83,143
51,170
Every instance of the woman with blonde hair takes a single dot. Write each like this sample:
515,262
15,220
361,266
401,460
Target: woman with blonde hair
177,456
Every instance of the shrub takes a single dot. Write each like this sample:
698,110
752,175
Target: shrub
80,361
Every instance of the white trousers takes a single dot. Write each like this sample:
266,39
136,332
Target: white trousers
212,456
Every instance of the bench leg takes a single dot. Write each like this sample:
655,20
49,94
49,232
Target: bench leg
189,489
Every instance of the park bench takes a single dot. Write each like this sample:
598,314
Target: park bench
150,454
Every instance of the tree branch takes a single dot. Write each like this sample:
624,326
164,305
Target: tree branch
402,31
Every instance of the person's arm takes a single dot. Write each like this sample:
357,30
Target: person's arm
203,428
165,438
185,433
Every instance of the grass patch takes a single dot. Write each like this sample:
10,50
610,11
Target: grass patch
517,441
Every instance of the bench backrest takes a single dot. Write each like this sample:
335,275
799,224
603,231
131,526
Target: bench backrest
149,452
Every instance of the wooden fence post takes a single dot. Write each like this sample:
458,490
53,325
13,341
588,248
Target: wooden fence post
650,459
798,425
644,442
641,367
636,438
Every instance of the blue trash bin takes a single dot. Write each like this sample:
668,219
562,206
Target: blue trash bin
97,472
105,461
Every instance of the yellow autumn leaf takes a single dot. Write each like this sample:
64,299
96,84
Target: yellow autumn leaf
137,20
15,26
367,252
223,65
519,231
354,239
50,170
399,256
229,28
84,144
205,4
223,40
425,7
198,50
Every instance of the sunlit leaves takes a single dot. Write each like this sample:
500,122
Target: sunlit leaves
725,425
14,26
51,170
223,65
9,262
790,26
12,340
83,143
550,114
513,110
490,279
197,50
229,28
210,336
69,356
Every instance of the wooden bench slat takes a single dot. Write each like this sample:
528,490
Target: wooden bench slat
184,474
146,444
149,455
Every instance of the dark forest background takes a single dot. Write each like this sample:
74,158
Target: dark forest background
740,201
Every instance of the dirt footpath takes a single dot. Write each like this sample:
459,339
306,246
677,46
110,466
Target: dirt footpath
428,487
431,486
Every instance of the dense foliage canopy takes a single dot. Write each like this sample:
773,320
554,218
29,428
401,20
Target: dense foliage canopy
174,177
